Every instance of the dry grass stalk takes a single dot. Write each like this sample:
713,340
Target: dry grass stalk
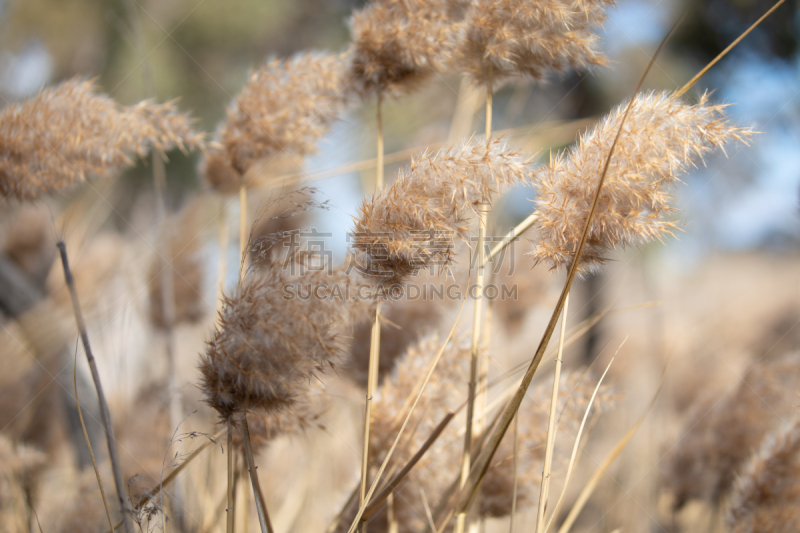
767,492
551,424
88,441
572,458
477,321
411,225
601,470
70,133
662,139
397,44
261,507
508,38
105,415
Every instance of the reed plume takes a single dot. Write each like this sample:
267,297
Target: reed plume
286,107
411,225
270,344
509,38
70,133
766,496
398,44
720,438
662,138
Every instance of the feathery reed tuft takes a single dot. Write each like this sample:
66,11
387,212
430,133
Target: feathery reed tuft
766,497
508,38
397,44
277,332
286,106
662,138
411,225
69,133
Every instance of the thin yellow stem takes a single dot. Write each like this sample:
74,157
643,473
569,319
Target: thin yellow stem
86,437
223,254
242,228
511,236
730,47
477,328
261,507
379,155
372,378
389,454
516,477
392,518
375,338
231,482
551,425
575,448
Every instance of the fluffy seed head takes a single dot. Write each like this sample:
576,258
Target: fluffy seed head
412,224
271,343
286,106
662,138
69,133
766,497
397,44
507,38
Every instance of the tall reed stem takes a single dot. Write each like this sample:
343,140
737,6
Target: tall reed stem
242,228
86,437
105,415
261,507
477,326
375,337
516,476
231,483
551,425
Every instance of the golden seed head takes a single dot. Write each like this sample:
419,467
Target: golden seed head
662,139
